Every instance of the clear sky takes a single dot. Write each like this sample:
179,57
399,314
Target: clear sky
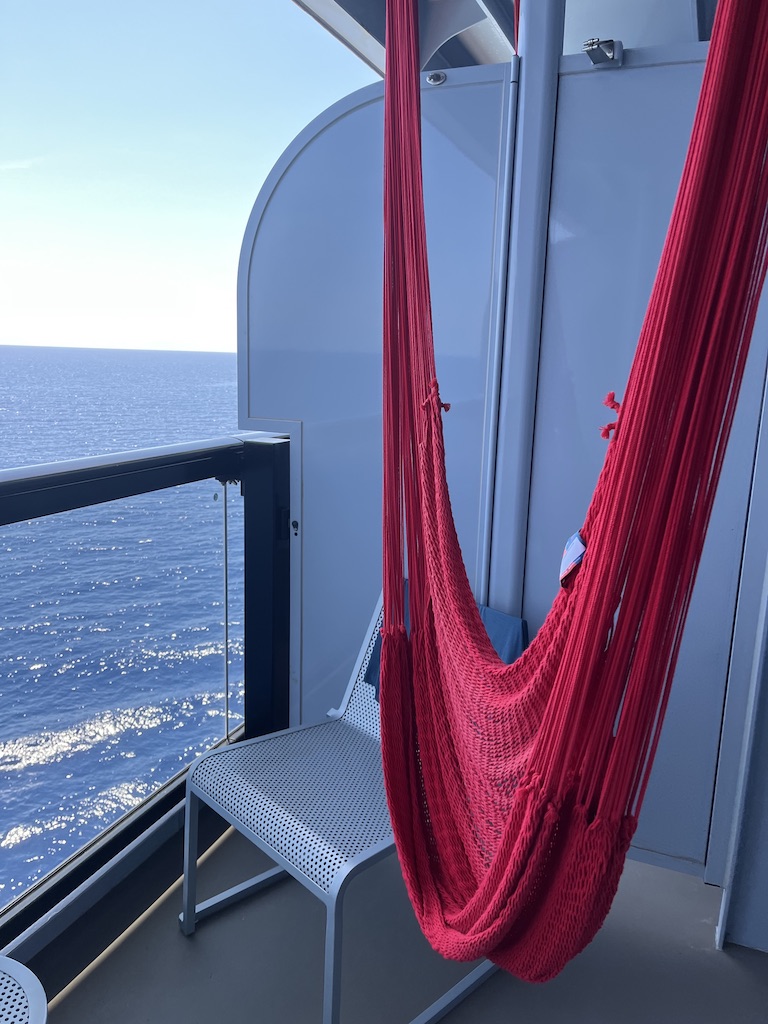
134,138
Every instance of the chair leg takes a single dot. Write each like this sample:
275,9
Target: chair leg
187,918
332,977
442,1006
192,913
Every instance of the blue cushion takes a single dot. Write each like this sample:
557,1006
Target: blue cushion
507,633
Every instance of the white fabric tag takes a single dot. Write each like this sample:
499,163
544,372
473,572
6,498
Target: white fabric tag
572,556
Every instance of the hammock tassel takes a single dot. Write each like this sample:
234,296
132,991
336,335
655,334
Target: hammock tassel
610,401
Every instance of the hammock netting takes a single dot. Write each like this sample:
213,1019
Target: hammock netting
514,789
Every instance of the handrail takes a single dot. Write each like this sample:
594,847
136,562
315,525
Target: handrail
33,491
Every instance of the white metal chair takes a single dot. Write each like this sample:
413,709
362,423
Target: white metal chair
312,798
22,997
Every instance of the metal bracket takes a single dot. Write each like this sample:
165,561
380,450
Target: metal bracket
604,53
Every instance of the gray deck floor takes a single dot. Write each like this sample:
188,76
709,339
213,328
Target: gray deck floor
261,961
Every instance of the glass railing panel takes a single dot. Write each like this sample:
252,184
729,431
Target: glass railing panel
112,663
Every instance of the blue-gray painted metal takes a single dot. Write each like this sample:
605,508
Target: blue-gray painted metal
609,211
744,909
498,284
739,704
457,994
541,32
738,854
745,920
309,336
48,924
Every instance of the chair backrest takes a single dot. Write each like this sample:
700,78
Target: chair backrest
361,705
508,634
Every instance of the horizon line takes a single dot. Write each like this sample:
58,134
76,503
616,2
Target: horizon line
116,348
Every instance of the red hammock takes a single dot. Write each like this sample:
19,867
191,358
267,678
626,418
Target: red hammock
514,790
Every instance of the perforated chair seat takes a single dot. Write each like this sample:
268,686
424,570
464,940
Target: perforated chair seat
313,796
22,997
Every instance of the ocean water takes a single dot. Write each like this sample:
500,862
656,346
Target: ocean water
112,652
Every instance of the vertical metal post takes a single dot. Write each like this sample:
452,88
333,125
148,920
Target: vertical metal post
747,773
265,485
499,286
540,49
225,583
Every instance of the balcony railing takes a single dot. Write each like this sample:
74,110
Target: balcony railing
260,465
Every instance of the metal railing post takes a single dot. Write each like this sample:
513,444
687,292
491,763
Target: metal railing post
265,485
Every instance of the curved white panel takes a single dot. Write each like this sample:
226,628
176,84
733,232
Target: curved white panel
309,335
